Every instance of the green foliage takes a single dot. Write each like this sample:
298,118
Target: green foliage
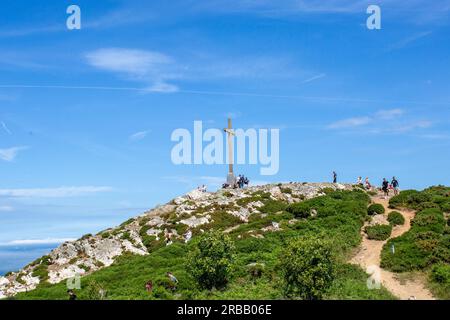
395,218
286,190
375,208
440,280
351,284
300,209
273,206
41,268
95,291
307,267
434,197
86,236
129,221
106,235
429,220
126,236
441,273
422,246
378,232
211,261
256,261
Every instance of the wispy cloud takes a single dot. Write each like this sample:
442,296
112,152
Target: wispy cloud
316,77
391,120
5,127
389,114
407,41
27,242
61,192
139,135
350,123
11,153
150,67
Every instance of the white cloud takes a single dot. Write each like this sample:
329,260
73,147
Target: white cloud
139,65
383,122
406,127
350,122
389,114
11,153
139,135
61,192
36,241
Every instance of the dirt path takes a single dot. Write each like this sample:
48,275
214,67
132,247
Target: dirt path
369,252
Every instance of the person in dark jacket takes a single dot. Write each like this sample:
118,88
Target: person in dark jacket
395,185
385,187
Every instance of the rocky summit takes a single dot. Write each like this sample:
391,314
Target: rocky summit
179,220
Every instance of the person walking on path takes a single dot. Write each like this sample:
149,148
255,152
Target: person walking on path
368,185
395,185
385,188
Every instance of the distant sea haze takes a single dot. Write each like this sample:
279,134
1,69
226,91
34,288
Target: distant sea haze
15,257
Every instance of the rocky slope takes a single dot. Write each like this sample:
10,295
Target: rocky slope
179,220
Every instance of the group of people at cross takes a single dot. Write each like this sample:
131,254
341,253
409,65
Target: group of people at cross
240,182
386,185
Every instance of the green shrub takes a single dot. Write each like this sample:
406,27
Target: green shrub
307,268
211,260
406,256
41,268
429,220
402,199
375,208
300,209
395,218
95,291
441,273
105,235
379,232
273,206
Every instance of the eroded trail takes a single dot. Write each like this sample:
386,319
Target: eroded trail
369,255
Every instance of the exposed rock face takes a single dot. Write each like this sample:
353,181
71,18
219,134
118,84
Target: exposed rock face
179,220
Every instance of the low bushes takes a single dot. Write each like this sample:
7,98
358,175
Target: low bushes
422,246
211,260
395,218
375,208
308,268
379,232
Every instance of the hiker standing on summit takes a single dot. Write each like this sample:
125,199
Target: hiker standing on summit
334,177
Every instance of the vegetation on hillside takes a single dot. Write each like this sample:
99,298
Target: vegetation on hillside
251,261
426,246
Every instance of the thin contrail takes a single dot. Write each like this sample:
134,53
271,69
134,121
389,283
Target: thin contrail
223,93
6,128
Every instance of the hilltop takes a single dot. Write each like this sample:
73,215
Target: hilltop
261,220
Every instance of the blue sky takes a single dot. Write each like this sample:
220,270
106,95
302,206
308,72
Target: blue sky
86,115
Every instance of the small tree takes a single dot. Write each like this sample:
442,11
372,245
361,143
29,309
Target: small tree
307,267
211,261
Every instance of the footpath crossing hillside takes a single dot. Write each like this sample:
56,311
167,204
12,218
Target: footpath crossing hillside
369,255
